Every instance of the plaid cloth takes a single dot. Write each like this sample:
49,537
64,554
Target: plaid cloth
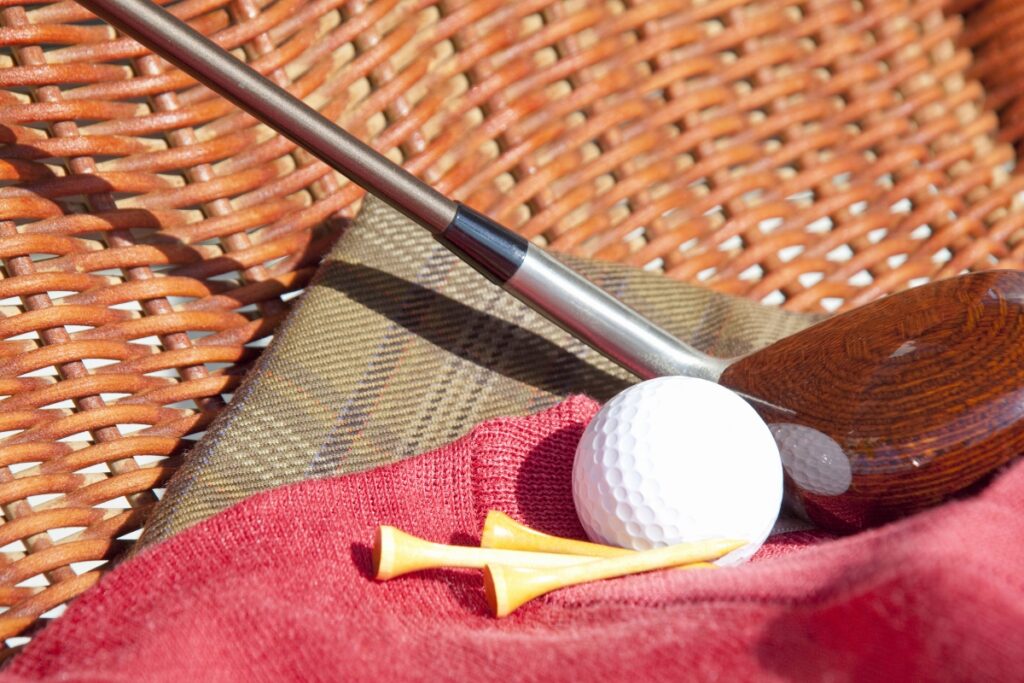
399,347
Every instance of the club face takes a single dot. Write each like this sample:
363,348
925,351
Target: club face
898,405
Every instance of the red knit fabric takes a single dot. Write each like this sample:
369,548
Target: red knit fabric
278,588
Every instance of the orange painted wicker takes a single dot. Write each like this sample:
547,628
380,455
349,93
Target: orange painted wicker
814,153
995,32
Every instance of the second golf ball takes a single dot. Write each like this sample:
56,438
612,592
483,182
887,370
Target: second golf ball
677,459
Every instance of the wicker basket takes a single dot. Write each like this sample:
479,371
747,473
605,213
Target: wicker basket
810,153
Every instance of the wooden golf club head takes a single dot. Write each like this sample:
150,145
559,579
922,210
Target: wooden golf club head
507,588
396,553
897,405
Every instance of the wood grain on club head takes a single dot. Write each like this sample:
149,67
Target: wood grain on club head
898,405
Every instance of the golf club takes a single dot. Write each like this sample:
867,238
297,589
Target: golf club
878,412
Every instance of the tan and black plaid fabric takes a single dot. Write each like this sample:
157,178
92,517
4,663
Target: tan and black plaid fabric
398,347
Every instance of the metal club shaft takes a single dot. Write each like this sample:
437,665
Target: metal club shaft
526,271
194,53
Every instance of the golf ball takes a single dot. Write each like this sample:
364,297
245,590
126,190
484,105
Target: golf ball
677,459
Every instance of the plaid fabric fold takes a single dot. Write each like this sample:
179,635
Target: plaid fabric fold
398,347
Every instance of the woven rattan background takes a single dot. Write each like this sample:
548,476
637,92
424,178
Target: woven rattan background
811,153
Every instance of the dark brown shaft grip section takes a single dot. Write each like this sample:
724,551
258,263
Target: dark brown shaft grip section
898,405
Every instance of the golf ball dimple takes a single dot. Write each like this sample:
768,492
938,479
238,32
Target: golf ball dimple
677,459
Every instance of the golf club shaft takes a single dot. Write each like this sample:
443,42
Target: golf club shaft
542,282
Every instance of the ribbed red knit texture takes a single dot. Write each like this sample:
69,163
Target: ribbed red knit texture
939,596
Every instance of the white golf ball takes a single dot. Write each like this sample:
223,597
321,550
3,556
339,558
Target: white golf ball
677,459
